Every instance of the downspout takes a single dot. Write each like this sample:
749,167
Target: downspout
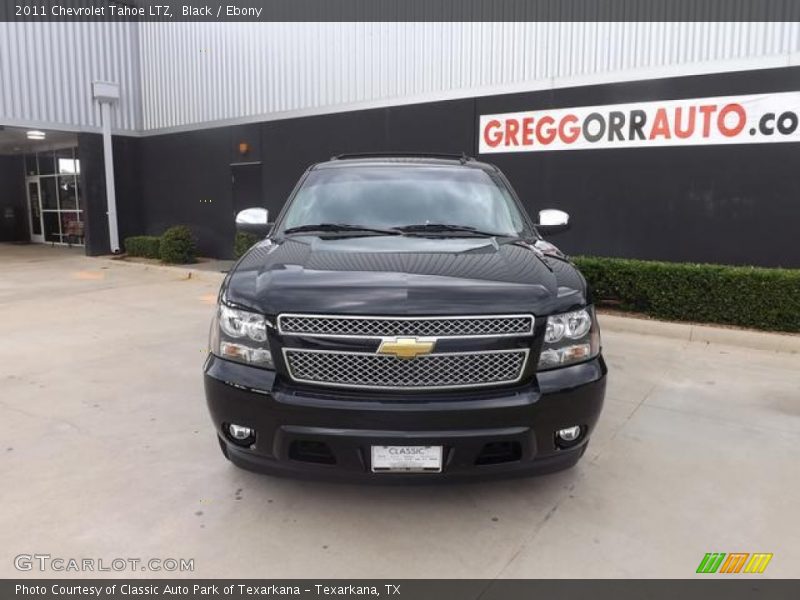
107,94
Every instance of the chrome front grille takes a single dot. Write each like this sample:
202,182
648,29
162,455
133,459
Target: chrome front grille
433,371
376,327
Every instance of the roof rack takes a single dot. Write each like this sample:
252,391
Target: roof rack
349,155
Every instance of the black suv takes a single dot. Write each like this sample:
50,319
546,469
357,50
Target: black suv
404,318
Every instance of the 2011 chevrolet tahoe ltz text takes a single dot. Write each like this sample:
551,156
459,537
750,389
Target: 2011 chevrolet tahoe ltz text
403,318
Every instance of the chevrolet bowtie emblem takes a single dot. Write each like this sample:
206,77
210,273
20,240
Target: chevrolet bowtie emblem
407,347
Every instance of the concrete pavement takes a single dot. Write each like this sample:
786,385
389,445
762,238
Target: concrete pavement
107,452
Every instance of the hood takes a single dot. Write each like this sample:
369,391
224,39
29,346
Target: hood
402,275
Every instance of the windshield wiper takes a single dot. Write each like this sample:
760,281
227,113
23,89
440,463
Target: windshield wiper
446,228
340,227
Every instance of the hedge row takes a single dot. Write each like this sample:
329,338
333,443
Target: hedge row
148,246
745,296
177,245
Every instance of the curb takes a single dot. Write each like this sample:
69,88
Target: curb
745,338
183,272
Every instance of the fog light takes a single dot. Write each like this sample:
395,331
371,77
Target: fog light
570,434
239,432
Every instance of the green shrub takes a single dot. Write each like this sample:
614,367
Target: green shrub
147,246
243,242
178,245
745,296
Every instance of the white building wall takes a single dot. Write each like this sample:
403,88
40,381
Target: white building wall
201,72
183,75
47,69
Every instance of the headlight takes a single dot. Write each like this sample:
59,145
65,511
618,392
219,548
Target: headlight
570,338
241,336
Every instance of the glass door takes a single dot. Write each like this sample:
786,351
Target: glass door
55,206
35,210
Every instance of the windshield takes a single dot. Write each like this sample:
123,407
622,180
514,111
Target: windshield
389,197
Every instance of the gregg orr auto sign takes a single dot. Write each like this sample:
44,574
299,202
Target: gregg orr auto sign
759,118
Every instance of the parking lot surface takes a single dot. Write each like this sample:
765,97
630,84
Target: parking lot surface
108,452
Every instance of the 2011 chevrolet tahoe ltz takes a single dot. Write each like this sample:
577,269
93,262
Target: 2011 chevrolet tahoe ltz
403,318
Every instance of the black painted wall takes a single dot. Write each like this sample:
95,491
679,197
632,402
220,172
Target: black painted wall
186,180
128,183
13,202
737,204
186,177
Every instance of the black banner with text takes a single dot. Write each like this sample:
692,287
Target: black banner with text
416,589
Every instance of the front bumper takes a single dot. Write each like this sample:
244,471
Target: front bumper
502,432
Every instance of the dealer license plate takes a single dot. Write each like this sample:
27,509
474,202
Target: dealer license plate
406,459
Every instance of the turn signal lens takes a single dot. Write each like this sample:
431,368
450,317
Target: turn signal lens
245,354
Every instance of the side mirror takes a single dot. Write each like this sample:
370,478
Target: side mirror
552,220
254,220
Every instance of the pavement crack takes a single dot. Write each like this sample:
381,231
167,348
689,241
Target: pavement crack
627,420
618,430
527,542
